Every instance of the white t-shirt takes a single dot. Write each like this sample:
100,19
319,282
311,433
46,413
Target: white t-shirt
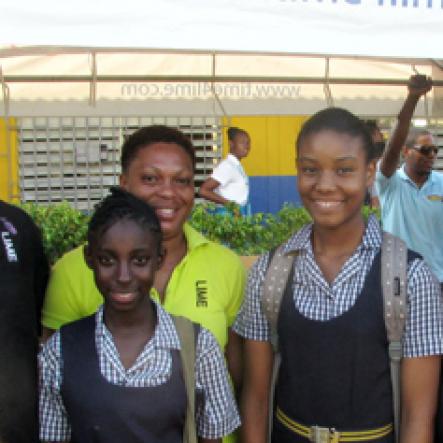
234,183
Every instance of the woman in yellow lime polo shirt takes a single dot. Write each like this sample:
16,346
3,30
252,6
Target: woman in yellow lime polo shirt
199,279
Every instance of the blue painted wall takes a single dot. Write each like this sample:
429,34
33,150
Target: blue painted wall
268,194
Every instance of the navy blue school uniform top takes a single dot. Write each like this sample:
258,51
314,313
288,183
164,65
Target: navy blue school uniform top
154,374
314,306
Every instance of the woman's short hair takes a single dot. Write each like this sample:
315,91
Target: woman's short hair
154,134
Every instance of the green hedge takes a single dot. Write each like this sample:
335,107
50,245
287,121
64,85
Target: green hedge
249,235
64,228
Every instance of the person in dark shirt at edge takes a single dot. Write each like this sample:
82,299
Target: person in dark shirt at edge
23,276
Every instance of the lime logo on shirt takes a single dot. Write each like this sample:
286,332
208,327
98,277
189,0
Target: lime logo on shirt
9,247
201,290
435,198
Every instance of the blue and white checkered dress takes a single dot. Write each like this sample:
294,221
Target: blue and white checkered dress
216,411
316,299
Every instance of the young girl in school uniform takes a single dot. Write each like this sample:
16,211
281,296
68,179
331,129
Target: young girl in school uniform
334,371
116,376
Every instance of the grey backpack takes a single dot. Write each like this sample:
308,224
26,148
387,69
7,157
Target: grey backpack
393,277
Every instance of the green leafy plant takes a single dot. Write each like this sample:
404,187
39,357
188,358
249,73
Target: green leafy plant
247,235
63,227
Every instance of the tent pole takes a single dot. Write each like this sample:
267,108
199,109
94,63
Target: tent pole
206,78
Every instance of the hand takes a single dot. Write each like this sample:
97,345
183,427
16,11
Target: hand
419,85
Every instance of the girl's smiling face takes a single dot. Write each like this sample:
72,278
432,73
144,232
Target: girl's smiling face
124,259
333,177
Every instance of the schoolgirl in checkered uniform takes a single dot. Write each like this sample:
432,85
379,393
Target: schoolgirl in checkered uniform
116,376
334,378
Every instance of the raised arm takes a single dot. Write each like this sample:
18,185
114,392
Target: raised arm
254,404
418,85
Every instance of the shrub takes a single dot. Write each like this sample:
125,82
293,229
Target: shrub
250,235
63,228
255,234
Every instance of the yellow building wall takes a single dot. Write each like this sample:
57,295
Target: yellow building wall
9,189
272,143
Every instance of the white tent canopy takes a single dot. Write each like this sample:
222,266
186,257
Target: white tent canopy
42,80
249,57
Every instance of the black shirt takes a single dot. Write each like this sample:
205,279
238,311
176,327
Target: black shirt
23,279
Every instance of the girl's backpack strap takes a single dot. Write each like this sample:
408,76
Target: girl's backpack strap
274,284
273,288
188,334
394,262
